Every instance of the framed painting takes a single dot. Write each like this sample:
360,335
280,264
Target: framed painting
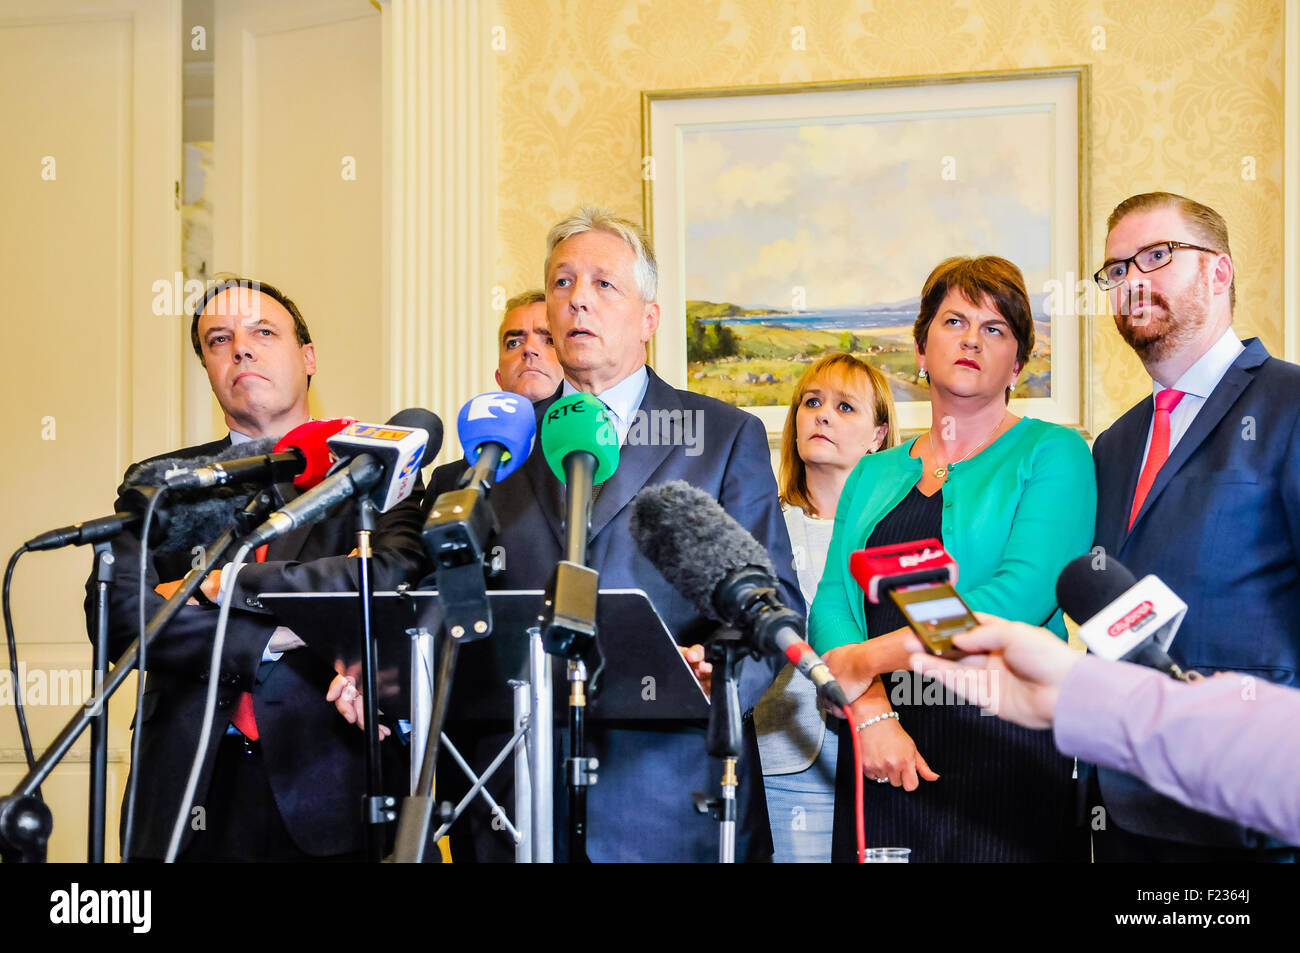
795,221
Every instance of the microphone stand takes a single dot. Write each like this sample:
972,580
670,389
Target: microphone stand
104,562
723,739
378,807
25,820
569,630
456,534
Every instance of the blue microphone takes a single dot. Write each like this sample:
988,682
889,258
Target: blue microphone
497,431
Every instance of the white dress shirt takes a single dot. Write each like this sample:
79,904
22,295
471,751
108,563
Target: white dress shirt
622,399
1197,383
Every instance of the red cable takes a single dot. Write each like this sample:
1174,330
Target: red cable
857,789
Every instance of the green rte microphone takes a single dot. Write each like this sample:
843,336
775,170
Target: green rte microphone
579,424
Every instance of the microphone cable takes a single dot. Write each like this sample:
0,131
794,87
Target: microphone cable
13,663
858,810
210,702
138,721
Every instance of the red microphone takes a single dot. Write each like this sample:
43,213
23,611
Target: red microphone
903,564
309,440
920,578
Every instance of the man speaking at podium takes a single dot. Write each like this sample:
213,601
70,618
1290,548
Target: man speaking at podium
283,776
601,281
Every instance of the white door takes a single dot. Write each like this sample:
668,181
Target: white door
297,187
90,108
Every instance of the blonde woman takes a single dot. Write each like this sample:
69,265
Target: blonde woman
841,411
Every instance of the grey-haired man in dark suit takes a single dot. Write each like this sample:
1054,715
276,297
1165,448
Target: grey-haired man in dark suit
600,295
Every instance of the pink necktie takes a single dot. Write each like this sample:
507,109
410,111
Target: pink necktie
1166,401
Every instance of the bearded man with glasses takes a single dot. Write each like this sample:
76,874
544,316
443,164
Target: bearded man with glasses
1199,484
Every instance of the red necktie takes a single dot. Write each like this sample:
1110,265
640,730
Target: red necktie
1166,401
242,717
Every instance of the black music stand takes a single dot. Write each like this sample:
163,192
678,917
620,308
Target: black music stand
633,644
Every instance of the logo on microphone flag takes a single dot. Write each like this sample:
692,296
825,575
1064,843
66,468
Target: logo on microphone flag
1135,621
481,407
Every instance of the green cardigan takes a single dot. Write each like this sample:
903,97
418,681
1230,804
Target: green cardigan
1013,516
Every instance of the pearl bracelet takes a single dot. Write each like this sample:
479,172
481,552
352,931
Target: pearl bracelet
871,721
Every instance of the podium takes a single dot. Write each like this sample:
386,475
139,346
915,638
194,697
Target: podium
503,680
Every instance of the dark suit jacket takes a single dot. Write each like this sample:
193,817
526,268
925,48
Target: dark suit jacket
315,759
1220,526
640,809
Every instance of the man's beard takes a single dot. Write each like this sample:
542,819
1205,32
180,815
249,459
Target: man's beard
1162,331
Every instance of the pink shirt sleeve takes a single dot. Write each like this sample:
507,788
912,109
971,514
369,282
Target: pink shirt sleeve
1229,745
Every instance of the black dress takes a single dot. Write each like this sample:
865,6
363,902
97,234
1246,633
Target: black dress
1003,794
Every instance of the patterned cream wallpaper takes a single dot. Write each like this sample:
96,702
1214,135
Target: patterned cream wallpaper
1186,97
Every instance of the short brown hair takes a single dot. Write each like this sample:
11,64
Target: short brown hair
525,298
979,279
855,377
1207,225
234,281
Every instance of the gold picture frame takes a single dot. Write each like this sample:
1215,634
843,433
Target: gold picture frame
730,176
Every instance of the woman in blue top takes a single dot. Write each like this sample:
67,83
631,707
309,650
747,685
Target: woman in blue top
1013,500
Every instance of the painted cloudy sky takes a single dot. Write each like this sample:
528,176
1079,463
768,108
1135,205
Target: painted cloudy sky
857,212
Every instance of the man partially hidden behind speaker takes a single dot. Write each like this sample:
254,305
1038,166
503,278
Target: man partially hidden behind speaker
283,774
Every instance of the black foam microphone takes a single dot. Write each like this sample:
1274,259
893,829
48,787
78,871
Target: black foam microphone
157,472
1121,618
726,573
193,517
96,531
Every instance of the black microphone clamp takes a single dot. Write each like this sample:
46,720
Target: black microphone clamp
747,599
461,522
568,619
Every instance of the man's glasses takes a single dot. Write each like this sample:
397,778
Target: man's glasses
1147,259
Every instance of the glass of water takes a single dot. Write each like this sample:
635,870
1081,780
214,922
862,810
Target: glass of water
886,855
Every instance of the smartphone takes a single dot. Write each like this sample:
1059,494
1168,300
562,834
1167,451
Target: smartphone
936,613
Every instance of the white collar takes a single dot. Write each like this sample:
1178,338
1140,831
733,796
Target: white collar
623,398
1201,378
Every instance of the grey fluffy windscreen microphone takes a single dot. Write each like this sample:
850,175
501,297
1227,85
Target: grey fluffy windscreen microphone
693,542
725,572
196,517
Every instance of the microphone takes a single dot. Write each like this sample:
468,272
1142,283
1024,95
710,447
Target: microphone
581,448
883,568
96,531
310,439
156,472
194,517
497,431
380,462
1121,618
300,455
711,560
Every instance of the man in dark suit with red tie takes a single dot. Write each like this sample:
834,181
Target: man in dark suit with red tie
283,776
1198,484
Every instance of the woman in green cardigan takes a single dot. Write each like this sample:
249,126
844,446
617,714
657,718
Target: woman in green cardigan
1013,500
